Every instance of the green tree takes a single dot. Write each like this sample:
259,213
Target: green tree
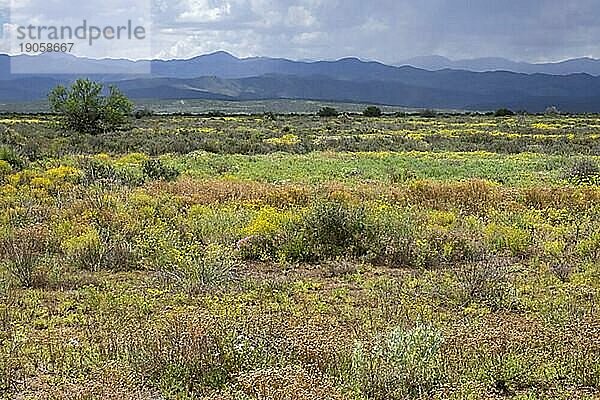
327,112
84,108
372,111
504,112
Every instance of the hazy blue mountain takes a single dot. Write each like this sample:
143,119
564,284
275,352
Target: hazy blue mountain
224,77
574,66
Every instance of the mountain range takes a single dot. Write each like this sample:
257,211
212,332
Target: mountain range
225,77
584,65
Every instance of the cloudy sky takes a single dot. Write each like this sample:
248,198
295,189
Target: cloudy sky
385,30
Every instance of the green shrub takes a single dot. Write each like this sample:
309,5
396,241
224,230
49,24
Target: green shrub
22,253
101,172
504,112
180,261
10,156
5,170
428,113
403,363
143,113
102,246
327,112
333,229
372,111
157,170
584,171
486,281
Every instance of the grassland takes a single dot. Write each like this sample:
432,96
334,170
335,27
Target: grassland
292,257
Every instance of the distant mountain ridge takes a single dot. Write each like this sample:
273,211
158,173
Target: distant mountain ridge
222,76
584,65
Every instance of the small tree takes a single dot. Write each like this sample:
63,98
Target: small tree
327,112
428,113
504,112
372,111
85,109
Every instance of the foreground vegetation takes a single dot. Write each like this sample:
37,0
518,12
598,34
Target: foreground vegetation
271,257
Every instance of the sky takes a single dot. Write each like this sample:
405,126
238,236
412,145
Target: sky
383,30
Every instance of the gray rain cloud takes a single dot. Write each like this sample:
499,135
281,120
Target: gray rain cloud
385,30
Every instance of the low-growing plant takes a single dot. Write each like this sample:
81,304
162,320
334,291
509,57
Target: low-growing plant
486,280
400,364
584,171
10,156
194,269
157,170
22,253
143,113
334,228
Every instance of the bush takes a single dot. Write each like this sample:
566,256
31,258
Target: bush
143,112
21,254
5,170
584,171
504,112
101,248
486,281
10,156
404,363
428,113
327,112
333,228
157,170
101,172
372,111
197,269
85,110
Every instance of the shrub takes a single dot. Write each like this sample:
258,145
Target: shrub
428,113
5,170
8,155
84,109
181,356
395,238
486,281
504,112
584,171
403,363
22,253
372,111
95,171
560,258
334,228
195,269
157,170
327,112
143,113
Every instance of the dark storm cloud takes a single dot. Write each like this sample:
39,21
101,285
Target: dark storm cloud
387,30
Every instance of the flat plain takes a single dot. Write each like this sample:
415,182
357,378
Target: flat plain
297,257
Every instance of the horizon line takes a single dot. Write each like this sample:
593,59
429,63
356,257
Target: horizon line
365,60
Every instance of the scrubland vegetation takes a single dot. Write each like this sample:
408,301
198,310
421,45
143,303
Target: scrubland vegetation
298,257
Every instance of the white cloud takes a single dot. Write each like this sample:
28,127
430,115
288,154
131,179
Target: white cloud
203,11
